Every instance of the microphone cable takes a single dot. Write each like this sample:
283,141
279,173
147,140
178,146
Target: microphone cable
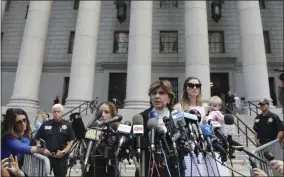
223,164
166,162
154,165
178,166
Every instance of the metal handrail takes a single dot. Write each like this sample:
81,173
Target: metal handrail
81,108
247,128
251,109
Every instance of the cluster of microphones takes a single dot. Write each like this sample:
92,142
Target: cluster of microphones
183,133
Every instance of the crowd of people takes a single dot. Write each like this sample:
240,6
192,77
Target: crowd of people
54,138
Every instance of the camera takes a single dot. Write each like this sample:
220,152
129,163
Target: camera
281,76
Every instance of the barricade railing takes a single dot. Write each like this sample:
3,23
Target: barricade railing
36,165
273,147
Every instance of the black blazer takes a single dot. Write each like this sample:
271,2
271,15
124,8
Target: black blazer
145,143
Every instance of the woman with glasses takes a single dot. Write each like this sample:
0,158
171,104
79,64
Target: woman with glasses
16,135
198,165
161,100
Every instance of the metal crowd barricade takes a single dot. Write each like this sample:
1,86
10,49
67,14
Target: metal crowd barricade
275,148
36,165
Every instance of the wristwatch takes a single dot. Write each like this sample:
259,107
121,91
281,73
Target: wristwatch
63,152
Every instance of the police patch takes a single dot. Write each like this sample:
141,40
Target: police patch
270,120
64,127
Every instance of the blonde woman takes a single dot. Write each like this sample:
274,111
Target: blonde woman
192,100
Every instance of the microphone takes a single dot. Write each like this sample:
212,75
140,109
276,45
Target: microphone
229,128
117,118
138,129
161,133
216,145
240,147
198,115
152,124
124,130
269,156
207,132
216,128
178,118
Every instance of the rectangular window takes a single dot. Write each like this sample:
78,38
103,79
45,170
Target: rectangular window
174,82
261,4
266,41
76,4
27,11
168,3
120,44
2,35
71,42
168,42
216,42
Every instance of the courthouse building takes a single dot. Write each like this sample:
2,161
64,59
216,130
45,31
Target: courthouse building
113,49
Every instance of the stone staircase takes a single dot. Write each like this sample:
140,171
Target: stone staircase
238,163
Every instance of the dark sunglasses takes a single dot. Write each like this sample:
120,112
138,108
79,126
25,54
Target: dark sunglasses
191,85
21,121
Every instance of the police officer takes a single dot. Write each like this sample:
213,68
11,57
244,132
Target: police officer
58,135
267,125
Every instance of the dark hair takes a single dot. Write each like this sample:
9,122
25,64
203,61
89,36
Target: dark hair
9,123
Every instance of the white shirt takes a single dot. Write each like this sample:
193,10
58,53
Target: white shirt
237,101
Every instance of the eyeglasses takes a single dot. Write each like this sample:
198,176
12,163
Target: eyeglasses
21,121
191,85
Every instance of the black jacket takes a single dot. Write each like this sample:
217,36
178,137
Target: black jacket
145,144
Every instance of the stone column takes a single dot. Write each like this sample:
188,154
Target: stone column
196,44
139,55
28,76
84,54
3,8
253,51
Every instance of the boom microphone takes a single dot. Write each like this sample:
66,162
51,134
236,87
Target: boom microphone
117,118
138,129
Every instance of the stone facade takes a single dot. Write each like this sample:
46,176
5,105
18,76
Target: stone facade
63,19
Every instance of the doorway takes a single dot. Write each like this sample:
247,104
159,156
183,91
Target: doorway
272,90
65,90
117,87
219,83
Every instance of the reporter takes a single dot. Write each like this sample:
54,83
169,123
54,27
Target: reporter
16,135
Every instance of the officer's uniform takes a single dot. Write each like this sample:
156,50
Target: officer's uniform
56,135
267,127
